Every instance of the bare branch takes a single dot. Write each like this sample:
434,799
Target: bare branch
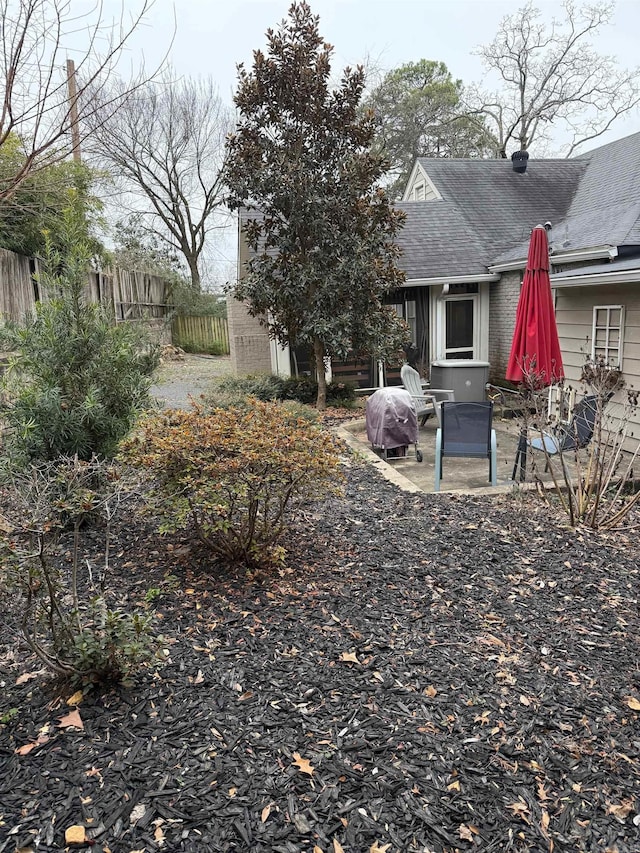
554,77
165,147
36,108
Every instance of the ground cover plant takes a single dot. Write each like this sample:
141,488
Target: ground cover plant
438,673
233,390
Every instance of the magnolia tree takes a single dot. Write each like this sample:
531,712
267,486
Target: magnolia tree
320,228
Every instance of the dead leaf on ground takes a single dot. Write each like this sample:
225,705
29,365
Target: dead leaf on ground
27,676
303,764
266,811
75,835
349,657
26,748
377,848
633,703
76,699
430,691
337,847
621,811
71,720
466,832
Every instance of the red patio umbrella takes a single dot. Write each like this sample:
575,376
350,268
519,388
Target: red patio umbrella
535,359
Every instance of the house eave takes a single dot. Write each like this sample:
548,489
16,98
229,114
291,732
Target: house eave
575,257
438,281
621,277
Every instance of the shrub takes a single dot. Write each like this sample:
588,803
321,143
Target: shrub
78,381
66,621
595,486
193,346
232,390
235,475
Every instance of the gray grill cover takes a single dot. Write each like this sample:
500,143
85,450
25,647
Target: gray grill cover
391,418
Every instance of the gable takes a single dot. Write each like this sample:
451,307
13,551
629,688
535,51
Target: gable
420,187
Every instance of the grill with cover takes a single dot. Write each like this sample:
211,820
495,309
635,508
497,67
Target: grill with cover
392,424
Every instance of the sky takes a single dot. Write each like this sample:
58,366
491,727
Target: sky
210,37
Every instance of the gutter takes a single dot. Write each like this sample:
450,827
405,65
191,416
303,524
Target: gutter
620,277
574,257
438,281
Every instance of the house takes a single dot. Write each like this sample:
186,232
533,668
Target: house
465,244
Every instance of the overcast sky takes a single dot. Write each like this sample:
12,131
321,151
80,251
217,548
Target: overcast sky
210,37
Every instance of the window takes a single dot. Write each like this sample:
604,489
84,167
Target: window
608,332
404,304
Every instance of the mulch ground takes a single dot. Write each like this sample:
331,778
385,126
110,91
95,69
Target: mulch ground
431,673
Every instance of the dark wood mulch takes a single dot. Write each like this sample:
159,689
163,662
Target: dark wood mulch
432,673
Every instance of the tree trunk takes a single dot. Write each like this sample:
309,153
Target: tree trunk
318,351
194,272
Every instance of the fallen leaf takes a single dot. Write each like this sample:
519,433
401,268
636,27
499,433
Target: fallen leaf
302,764
26,676
26,748
233,792
71,720
266,811
349,657
465,833
337,847
633,703
621,811
76,699
75,835
159,836
524,700
520,809
454,786
199,677
377,848
430,691
317,849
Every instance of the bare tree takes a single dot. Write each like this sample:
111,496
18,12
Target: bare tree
36,107
553,76
165,150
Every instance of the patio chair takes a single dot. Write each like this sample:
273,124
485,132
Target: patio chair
426,401
565,437
466,431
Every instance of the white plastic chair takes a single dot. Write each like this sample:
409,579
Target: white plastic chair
427,401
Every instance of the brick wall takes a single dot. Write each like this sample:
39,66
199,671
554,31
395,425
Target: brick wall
249,343
502,319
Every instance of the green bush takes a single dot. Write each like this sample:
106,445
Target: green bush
212,348
233,476
232,390
79,380
67,621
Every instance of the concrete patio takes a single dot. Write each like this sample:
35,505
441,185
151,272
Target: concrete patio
467,476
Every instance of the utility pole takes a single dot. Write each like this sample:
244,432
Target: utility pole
73,109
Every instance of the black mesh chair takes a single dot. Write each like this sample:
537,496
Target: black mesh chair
466,431
565,437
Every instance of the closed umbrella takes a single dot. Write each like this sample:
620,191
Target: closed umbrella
535,360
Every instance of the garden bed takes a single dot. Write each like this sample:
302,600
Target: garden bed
419,678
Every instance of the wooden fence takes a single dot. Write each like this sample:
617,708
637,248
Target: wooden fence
200,333
129,295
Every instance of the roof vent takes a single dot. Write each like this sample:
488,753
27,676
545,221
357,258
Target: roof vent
519,161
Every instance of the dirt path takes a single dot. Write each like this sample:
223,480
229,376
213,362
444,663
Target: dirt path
176,381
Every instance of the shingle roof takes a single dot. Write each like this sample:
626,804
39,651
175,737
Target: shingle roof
496,209
591,200
436,241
